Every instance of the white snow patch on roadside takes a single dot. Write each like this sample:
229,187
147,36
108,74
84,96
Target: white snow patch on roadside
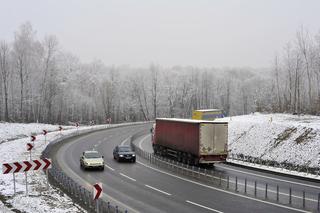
258,135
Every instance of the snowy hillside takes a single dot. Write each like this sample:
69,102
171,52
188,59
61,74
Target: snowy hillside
283,138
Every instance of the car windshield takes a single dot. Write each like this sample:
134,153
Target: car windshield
92,155
124,149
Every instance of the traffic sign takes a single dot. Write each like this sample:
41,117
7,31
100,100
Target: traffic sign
33,138
97,191
25,166
29,146
44,132
60,128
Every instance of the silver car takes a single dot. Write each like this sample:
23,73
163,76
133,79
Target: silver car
91,160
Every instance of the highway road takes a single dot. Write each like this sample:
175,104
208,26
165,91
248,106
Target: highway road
142,187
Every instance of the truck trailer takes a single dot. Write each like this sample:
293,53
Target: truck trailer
191,141
207,114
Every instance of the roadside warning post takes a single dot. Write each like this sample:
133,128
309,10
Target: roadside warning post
60,129
77,125
29,148
97,192
45,132
33,138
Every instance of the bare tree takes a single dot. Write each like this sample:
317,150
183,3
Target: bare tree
303,41
4,68
154,78
276,73
22,48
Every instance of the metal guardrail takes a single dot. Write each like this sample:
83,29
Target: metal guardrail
250,187
80,194
284,165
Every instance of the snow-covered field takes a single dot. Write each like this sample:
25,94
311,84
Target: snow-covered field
283,138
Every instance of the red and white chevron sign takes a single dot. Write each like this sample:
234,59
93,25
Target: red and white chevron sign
97,191
26,166
29,146
44,132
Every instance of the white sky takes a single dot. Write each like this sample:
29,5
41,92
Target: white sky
167,32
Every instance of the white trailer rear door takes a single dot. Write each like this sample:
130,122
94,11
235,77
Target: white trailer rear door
213,138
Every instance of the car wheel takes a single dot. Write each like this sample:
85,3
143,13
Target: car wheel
102,168
133,160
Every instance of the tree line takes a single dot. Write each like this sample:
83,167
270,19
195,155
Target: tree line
39,82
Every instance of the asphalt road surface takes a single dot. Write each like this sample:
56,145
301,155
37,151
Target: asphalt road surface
142,187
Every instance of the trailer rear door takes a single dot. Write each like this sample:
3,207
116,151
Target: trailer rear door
213,138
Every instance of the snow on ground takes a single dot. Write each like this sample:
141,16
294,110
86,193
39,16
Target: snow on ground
40,199
11,131
283,138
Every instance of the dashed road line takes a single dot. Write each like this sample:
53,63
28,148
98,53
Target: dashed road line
158,190
130,178
109,167
205,207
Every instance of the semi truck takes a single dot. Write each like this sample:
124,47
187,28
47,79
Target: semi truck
191,141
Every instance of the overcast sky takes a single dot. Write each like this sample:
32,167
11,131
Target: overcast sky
215,33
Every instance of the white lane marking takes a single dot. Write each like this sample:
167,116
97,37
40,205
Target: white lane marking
272,178
221,190
109,167
158,190
142,140
205,207
127,177
124,141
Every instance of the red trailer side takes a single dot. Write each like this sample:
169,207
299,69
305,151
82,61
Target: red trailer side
178,136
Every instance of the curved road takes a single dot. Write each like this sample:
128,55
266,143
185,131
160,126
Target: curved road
141,187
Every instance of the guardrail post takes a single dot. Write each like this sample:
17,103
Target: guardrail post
266,195
236,184
255,188
117,210
228,182
290,196
245,185
220,180
303,199
277,193
318,201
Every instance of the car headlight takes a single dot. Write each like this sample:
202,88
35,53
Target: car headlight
133,155
121,155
